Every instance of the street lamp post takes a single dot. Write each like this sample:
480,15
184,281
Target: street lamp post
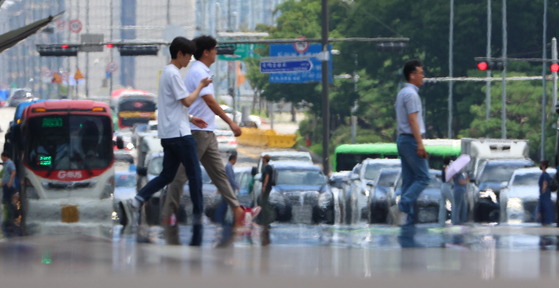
325,100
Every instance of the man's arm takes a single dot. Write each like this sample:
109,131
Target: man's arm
265,183
192,97
12,177
212,103
414,124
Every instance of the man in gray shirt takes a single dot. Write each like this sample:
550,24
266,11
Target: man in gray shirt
415,167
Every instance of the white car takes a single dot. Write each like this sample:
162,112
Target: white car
125,188
239,116
226,141
519,197
362,183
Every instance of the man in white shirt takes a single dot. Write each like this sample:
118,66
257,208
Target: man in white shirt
179,147
206,107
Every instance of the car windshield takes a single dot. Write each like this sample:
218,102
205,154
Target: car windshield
528,179
300,177
65,142
156,166
500,172
125,180
19,94
387,178
373,169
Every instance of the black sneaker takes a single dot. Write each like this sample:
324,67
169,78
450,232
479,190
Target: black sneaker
197,231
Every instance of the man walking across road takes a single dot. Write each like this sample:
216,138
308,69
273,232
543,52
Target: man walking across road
179,147
415,168
206,107
222,208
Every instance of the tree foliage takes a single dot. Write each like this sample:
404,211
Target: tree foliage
426,23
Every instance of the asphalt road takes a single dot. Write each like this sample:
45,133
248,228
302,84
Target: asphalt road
298,255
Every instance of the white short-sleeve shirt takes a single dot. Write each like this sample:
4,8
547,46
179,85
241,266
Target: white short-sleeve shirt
172,115
199,108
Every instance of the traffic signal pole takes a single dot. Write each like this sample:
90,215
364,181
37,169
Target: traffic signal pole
488,54
325,97
450,60
554,74
544,72
504,93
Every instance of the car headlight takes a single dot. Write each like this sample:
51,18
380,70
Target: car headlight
30,191
514,203
398,199
276,197
488,194
366,192
325,200
448,205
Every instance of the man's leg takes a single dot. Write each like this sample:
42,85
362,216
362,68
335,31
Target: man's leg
174,193
171,206
407,173
420,170
171,161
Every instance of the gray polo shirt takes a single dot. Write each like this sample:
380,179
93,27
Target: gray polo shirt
408,102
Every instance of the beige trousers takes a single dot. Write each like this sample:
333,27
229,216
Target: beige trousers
211,160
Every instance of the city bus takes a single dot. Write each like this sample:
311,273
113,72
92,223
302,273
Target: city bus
133,106
348,155
66,168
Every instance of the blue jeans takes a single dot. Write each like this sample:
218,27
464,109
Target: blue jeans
460,208
415,175
178,150
220,212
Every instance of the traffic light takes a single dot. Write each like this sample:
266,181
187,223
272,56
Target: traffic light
554,68
483,66
391,46
63,50
226,50
138,50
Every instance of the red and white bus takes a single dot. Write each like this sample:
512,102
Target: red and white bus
66,168
133,106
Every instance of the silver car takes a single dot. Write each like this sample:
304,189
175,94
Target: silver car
362,185
519,200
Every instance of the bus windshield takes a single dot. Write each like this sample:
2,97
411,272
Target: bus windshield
66,142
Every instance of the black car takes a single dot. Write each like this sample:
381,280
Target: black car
301,194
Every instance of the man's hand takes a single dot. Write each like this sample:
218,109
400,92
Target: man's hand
9,184
421,151
205,82
199,122
235,128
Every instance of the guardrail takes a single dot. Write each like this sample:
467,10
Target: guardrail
265,138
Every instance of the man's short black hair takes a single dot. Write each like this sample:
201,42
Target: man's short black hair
410,67
446,160
181,44
5,154
204,43
233,156
545,163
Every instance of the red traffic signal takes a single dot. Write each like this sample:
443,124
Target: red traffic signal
554,68
482,66
65,46
109,45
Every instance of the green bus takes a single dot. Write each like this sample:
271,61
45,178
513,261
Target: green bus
348,155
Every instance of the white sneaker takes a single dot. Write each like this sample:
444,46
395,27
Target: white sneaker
398,218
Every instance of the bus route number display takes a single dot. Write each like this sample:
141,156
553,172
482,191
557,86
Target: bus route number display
45,160
52,122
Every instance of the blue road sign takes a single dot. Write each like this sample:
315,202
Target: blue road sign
278,66
312,75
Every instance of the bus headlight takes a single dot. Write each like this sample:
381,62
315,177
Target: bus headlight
30,191
109,189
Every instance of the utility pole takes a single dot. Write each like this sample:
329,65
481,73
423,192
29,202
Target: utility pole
554,74
355,106
325,82
111,50
544,84
217,21
450,60
87,53
488,54
504,94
